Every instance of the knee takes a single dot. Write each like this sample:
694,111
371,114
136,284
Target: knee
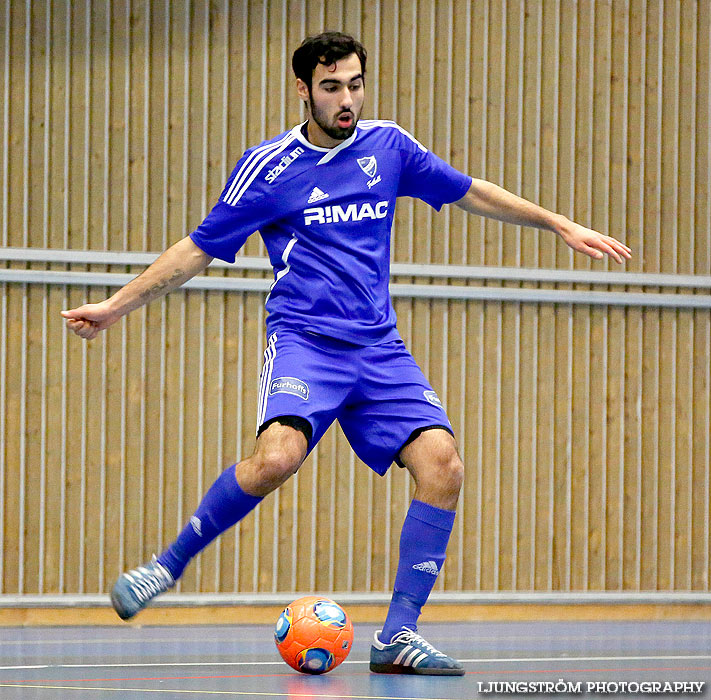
443,477
279,461
449,470
279,454
273,466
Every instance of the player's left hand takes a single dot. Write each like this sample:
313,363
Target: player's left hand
591,243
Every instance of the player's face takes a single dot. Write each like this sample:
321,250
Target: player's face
336,97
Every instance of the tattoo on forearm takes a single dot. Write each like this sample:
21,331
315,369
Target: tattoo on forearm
157,289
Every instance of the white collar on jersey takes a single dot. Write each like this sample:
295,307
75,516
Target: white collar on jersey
329,152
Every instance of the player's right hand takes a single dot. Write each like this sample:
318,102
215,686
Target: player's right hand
88,320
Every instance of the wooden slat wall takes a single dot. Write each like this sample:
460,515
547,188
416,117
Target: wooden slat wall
585,430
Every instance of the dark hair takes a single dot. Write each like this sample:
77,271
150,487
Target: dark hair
326,48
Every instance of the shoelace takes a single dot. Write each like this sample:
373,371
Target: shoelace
149,582
408,637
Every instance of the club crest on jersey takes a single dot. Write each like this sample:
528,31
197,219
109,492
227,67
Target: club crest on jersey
369,165
352,212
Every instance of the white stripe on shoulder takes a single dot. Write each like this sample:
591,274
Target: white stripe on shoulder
370,122
248,165
374,123
258,168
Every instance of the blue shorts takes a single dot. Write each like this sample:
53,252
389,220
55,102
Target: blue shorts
377,393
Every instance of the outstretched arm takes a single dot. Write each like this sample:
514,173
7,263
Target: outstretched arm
486,199
176,266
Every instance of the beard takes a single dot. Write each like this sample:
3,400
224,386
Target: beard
339,133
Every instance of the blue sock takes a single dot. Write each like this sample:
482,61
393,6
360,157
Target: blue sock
423,543
222,506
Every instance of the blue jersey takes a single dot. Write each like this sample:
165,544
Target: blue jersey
325,216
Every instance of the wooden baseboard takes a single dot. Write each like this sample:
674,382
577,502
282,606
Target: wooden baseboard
268,614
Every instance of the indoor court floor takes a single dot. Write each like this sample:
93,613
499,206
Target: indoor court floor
241,661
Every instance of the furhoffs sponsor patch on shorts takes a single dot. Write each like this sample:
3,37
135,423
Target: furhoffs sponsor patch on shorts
289,385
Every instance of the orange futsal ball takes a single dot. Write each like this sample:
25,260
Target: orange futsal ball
313,634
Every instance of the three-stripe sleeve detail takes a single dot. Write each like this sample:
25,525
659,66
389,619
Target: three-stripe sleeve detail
252,167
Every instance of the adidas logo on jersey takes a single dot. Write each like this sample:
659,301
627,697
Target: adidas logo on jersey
316,195
429,567
353,212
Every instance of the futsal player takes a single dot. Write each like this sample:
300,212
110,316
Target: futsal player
322,195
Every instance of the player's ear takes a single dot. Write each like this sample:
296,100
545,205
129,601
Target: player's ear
302,90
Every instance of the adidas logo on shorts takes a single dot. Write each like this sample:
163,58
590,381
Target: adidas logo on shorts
429,567
316,195
196,525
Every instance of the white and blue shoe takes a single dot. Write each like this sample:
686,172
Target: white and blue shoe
136,588
408,652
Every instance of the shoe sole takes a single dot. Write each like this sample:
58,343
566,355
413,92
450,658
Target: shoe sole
399,668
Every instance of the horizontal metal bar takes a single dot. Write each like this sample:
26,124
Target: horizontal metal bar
522,274
552,296
101,257
349,598
510,274
118,279
426,291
